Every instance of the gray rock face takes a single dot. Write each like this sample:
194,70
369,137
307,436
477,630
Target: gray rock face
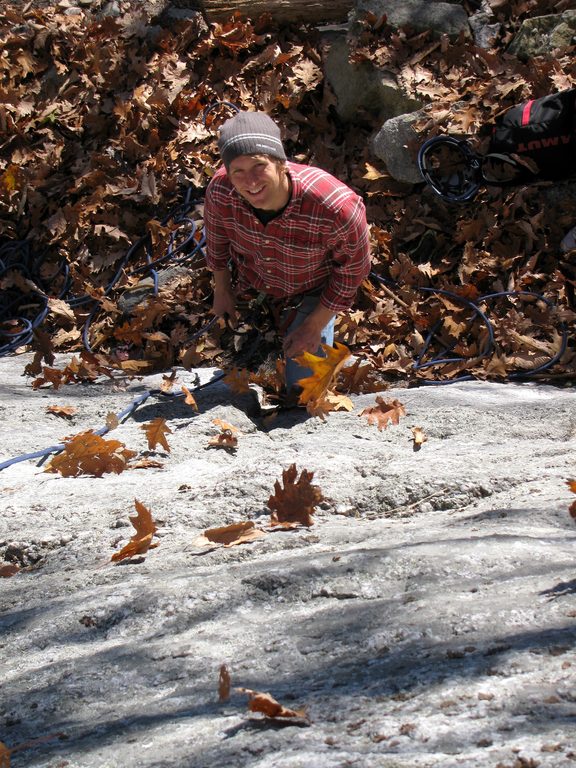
441,17
361,86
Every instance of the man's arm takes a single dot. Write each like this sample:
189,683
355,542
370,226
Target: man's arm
224,301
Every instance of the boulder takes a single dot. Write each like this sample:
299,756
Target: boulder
543,35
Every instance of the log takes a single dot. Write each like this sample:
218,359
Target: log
282,11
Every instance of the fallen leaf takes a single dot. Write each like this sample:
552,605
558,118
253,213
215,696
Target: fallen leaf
141,541
189,398
168,382
572,507
267,705
156,432
225,440
89,454
147,463
230,535
224,425
62,411
7,570
384,412
238,380
112,421
294,503
4,756
324,371
224,684
419,437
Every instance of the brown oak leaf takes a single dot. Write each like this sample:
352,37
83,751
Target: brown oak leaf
156,431
572,507
224,684
63,411
189,398
294,503
238,380
4,755
230,535
89,454
267,705
141,541
384,412
7,570
419,438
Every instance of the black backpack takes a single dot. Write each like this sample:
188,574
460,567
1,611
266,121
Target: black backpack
539,135
530,141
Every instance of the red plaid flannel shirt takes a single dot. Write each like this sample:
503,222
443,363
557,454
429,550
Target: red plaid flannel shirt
320,240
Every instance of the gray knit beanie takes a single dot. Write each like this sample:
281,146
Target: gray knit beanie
250,133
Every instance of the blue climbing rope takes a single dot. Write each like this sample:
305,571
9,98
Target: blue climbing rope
136,403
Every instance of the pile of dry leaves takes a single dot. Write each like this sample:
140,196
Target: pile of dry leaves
107,141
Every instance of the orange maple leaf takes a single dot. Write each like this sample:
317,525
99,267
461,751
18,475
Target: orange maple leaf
141,541
89,454
267,705
156,431
294,503
324,371
384,412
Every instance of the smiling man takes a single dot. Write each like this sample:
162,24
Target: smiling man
292,232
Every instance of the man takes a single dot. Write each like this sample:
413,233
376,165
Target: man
289,231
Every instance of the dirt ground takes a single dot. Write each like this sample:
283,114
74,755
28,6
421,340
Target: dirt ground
427,618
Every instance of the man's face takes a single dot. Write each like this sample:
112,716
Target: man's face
261,181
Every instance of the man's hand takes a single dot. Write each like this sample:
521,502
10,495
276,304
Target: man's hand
307,337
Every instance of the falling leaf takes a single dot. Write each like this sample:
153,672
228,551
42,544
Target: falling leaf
324,371
383,412
7,570
267,705
89,454
63,411
156,432
224,684
238,380
112,421
230,535
189,398
294,504
141,541
419,437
